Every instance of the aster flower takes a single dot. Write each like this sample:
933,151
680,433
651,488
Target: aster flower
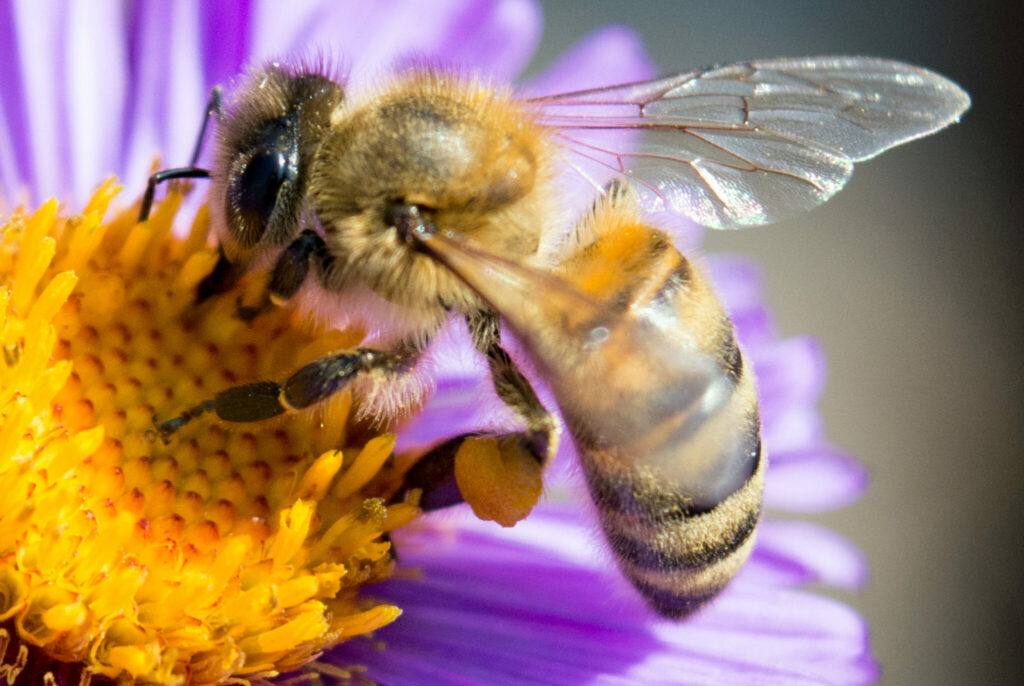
224,553
83,97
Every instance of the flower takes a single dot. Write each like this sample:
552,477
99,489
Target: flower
221,553
102,90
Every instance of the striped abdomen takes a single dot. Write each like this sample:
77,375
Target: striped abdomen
680,499
643,363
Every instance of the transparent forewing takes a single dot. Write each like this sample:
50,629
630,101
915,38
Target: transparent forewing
754,142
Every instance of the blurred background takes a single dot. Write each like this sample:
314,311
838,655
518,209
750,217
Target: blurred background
911,279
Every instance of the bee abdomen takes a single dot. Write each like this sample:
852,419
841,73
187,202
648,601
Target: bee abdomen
668,431
676,555
668,550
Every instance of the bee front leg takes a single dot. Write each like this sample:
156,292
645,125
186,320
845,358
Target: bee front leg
290,271
498,475
316,381
292,266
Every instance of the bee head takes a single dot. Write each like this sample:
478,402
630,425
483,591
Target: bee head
266,142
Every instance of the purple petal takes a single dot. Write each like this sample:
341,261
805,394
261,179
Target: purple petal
168,93
793,427
738,282
40,27
497,37
225,37
791,371
813,480
95,89
606,57
278,29
533,605
455,407
16,163
795,552
755,635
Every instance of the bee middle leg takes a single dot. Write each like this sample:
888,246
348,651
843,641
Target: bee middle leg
316,381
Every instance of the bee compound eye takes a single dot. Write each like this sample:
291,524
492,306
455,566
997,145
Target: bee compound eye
255,190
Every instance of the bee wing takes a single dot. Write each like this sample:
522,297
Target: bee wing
754,142
631,383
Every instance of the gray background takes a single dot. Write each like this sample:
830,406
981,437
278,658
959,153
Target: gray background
910,278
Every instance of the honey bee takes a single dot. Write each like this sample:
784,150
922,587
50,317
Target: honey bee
438,196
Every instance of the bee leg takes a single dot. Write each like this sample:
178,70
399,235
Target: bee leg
541,435
316,381
292,267
223,277
498,475
434,475
213,107
289,273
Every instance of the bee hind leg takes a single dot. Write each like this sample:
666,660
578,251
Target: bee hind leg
542,428
498,475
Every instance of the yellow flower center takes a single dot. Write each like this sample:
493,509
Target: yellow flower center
232,550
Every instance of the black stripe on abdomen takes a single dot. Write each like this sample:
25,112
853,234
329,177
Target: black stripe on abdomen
664,557
731,357
672,604
661,504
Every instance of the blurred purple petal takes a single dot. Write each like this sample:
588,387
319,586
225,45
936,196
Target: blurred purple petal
224,34
606,57
16,165
278,28
511,607
792,427
813,480
454,408
40,61
790,371
738,282
499,36
777,637
802,552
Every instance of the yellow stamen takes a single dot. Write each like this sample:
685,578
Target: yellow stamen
230,551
